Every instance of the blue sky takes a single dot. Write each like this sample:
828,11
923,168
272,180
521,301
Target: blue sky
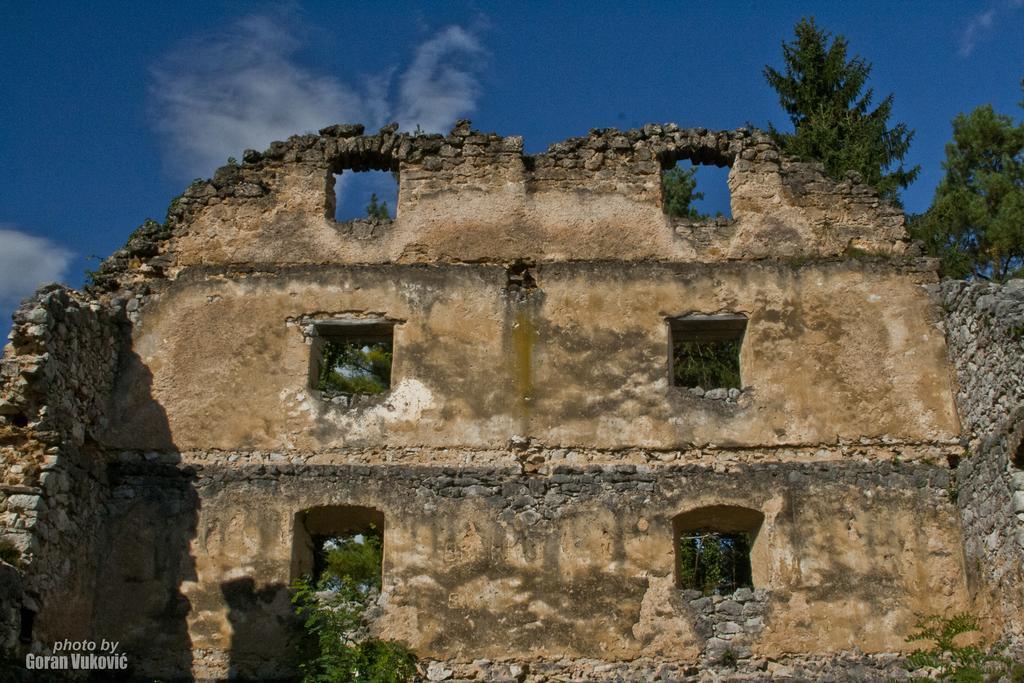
108,110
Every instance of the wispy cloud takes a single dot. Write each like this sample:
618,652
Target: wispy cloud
437,88
244,86
26,262
979,26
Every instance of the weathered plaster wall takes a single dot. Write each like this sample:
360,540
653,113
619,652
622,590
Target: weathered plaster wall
985,331
831,351
575,560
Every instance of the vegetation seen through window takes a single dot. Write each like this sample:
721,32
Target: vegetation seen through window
345,582
355,367
356,558
706,364
713,562
681,198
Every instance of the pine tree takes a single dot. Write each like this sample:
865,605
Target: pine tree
976,222
679,187
821,91
377,209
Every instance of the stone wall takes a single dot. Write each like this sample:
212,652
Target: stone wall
11,597
552,554
56,377
161,441
985,333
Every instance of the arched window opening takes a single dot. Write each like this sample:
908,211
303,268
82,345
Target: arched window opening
340,547
363,195
713,548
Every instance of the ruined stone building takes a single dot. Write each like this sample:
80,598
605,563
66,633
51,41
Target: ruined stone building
168,457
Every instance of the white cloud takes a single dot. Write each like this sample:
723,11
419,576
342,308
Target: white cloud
977,25
437,88
26,262
981,24
219,94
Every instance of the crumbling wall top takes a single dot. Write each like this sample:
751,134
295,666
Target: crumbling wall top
476,197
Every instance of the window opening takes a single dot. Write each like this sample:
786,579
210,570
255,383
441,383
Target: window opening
28,622
338,559
341,547
706,351
353,357
353,560
714,562
713,548
364,195
695,192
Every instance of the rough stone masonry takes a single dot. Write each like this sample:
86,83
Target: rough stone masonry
165,453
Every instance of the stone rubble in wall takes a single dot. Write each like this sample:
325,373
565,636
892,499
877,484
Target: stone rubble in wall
728,623
840,667
515,496
984,327
718,394
55,378
10,607
58,368
545,458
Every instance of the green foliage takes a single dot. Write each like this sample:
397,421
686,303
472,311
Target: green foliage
329,618
332,609
959,663
713,562
377,209
9,553
706,364
353,367
679,187
823,93
976,222
355,561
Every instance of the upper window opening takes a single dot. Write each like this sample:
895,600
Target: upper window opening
364,195
713,548
353,357
694,192
706,353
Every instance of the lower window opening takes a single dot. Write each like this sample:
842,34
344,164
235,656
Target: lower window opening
713,548
349,561
337,568
714,563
